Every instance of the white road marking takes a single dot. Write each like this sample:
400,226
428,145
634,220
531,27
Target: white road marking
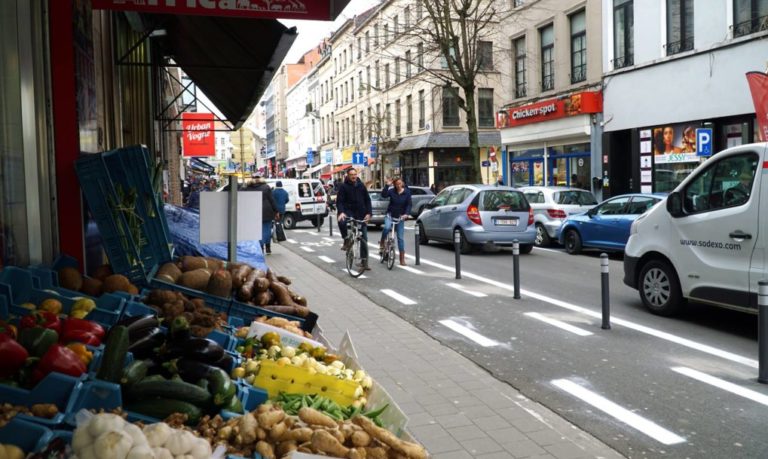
469,333
330,239
393,294
411,269
722,384
701,347
548,250
326,259
622,414
292,241
559,324
468,292
307,249
314,233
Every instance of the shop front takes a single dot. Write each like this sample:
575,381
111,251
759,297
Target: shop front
554,142
295,166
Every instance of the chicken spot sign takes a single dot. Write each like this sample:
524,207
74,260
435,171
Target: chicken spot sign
260,9
198,134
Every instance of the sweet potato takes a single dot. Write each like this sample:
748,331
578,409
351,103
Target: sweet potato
411,450
282,295
220,283
299,435
376,452
70,278
246,290
298,299
315,418
286,447
295,310
263,298
116,283
215,263
271,276
360,438
261,284
268,419
189,263
159,297
197,279
324,442
169,272
284,280
239,275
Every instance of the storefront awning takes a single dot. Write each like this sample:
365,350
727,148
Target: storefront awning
232,60
314,169
341,168
199,164
447,140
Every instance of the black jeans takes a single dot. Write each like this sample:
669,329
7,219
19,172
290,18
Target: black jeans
364,233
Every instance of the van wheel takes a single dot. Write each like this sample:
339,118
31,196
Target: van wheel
289,221
542,238
572,242
660,288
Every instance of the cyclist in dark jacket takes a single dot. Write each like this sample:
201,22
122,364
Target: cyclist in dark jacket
269,211
399,207
354,201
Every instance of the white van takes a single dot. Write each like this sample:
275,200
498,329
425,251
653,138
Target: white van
710,242
306,199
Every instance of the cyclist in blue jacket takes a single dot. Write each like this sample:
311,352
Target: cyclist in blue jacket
399,207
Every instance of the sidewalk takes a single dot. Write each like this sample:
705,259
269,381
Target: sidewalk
456,408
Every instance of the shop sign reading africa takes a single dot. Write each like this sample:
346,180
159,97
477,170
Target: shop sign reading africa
198,134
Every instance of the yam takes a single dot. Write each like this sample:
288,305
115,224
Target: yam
299,435
360,438
196,279
70,278
246,290
411,450
315,418
376,452
260,273
268,419
357,453
261,284
298,299
325,442
271,276
284,280
190,263
215,263
298,311
220,283
281,292
102,272
169,272
116,283
159,297
92,287
239,275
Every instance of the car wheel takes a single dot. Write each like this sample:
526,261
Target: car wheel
464,246
423,239
289,221
526,248
572,242
660,288
542,238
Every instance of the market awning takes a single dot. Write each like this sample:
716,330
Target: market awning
199,164
314,169
341,168
232,60
447,140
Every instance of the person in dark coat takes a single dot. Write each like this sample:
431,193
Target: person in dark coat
281,197
399,207
269,211
354,201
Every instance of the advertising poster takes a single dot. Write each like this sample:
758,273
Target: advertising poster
675,143
198,134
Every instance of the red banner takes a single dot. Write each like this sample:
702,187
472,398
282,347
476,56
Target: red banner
198,134
758,85
575,104
260,9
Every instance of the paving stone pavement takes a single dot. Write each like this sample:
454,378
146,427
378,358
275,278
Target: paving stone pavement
456,409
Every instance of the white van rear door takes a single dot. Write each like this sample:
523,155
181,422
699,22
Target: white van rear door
718,234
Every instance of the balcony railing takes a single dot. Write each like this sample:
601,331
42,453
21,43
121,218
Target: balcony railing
579,73
624,61
753,25
680,46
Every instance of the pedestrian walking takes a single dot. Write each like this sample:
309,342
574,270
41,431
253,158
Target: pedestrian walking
500,181
399,207
281,197
268,211
354,201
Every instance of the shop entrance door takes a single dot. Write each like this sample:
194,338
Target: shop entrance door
527,172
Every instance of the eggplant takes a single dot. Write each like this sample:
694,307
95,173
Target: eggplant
200,349
226,363
190,370
147,345
140,326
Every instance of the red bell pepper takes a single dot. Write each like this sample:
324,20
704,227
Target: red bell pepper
72,324
80,336
59,359
43,319
8,329
12,356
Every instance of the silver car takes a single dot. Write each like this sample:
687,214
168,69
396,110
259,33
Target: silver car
420,196
552,205
481,214
379,206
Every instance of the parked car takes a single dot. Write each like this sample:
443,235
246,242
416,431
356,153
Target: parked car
605,226
552,205
420,196
379,206
481,215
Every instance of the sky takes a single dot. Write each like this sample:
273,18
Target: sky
312,32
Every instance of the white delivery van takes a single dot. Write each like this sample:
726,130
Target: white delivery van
306,199
710,242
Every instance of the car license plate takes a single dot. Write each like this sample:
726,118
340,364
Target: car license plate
506,221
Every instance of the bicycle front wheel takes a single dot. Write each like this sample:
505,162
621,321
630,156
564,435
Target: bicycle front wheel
354,263
390,255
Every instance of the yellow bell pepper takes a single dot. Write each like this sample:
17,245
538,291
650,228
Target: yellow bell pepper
51,305
79,314
79,348
84,304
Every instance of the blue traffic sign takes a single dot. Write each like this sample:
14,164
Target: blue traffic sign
486,164
365,161
310,157
373,151
704,142
358,157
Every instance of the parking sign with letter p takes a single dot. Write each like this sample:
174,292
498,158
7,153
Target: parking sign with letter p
704,142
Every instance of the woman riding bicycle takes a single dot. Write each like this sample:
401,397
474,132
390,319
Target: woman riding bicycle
399,207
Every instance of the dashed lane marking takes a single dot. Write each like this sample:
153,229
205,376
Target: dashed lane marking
723,384
468,292
469,333
292,241
411,269
558,324
330,239
403,299
620,413
307,249
326,259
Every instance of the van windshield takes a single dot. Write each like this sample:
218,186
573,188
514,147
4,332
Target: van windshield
575,197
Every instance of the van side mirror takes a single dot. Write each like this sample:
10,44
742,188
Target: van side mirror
675,204
430,205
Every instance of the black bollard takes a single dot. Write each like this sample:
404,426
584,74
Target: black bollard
416,245
457,250
330,224
762,333
516,267
606,291
319,225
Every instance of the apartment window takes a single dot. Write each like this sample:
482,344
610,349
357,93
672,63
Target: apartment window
336,90
352,130
386,33
450,107
520,83
485,55
388,116
419,57
362,128
578,47
623,33
485,107
422,110
336,132
749,16
407,15
377,74
386,75
419,10
517,3
360,83
444,61
378,118
368,122
335,66
408,64
375,35
395,27
397,70
408,114
398,117
359,48
351,48
367,41
547,35
368,78
352,89
679,26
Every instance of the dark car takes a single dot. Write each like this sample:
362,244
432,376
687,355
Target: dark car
606,226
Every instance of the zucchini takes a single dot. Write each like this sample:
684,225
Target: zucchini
134,372
203,383
114,355
221,386
176,390
162,408
234,405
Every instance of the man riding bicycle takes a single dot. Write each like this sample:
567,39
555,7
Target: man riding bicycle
354,201
399,207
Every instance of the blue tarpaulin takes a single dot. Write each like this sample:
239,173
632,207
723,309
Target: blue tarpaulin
184,224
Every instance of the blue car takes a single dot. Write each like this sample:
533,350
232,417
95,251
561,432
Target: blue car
606,226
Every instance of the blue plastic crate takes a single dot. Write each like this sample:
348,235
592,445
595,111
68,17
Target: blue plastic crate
56,388
251,397
28,436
